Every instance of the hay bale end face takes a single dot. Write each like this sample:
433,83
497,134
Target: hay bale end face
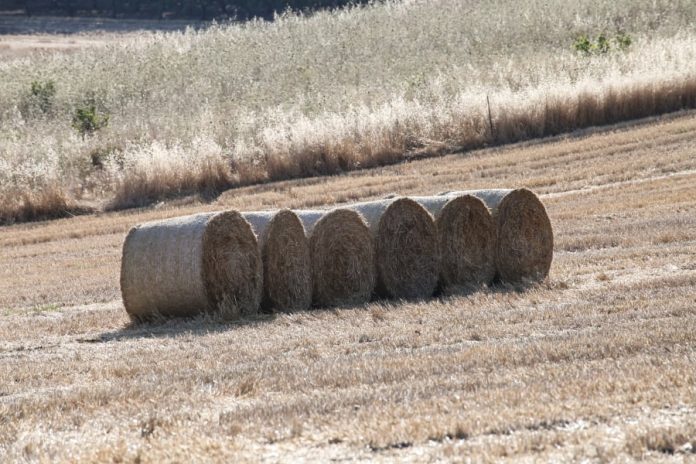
524,250
343,257
287,270
467,237
205,263
406,247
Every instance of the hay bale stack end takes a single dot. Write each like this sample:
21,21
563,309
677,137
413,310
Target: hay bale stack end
406,247
524,250
185,266
467,238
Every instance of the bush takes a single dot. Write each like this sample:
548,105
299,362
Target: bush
88,119
623,40
602,45
44,93
40,98
583,44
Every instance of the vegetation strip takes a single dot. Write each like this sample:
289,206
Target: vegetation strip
148,117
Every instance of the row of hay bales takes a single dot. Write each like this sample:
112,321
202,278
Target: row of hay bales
233,263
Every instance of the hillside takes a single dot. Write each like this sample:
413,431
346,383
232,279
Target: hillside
132,120
594,364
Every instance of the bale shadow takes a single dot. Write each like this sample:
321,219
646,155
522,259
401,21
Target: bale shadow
166,327
174,327
170,327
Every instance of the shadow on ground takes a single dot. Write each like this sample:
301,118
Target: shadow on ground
207,324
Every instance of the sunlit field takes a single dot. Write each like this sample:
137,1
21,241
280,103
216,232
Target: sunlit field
590,104
143,117
595,364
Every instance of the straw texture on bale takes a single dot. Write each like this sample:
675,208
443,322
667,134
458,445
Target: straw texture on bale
524,249
287,271
406,247
343,257
205,263
467,237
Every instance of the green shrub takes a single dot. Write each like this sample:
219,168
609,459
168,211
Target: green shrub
602,45
583,44
43,94
623,40
88,118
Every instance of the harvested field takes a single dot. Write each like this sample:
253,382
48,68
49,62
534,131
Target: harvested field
596,363
24,37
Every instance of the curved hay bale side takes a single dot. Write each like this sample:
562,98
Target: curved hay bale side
343,257
525,237
189,265
467,237
406,247
287,267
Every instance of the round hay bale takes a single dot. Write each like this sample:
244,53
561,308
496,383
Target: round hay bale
406,247
287,270
343,257
467,237
205,263
524,250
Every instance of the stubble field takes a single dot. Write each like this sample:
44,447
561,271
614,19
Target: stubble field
596,363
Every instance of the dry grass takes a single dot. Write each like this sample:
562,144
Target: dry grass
578,368
147,186
50,202
202,111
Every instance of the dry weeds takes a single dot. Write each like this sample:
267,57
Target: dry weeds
578,368
201,111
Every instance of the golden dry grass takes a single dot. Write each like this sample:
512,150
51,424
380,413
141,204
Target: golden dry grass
595,364
201,111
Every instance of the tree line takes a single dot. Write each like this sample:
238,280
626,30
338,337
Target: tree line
170,9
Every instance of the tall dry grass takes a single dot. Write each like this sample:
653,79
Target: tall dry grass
236,104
